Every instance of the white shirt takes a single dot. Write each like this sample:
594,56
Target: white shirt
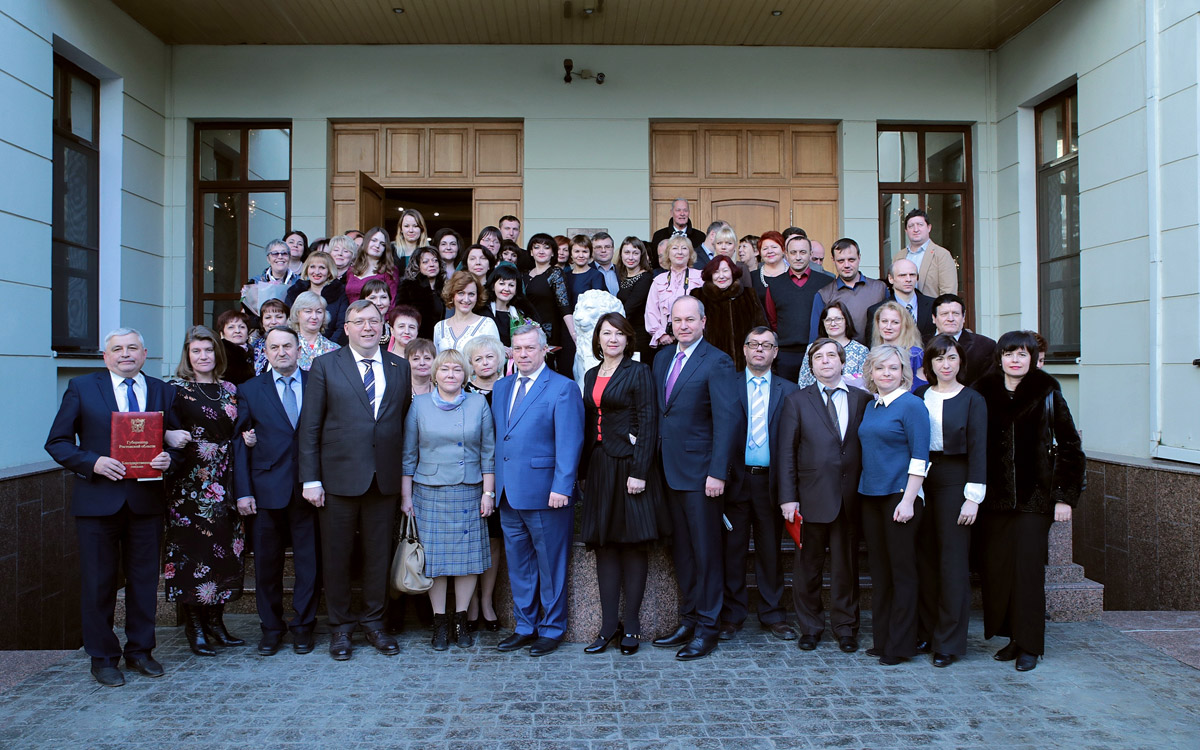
918,255
841,402
934,401
120,391
377,366
517,386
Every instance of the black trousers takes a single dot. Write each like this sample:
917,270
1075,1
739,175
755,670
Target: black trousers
271,530
371,515
892,550
943,559
789,362
1016,546
697,550
753,507
841,537
129,542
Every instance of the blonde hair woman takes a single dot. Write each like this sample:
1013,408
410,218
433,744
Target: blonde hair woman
892,325
677,256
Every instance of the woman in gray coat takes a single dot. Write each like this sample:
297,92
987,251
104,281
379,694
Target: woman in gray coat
449,483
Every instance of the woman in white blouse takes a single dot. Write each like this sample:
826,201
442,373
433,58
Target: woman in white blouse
679,280
462,294
954,487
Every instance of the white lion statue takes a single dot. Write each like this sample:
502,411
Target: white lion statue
591,305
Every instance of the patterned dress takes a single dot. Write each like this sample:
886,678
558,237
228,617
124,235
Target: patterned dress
309,352
205,538
856,356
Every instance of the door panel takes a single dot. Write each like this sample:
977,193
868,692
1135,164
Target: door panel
748,210
818,216
368,207
493,202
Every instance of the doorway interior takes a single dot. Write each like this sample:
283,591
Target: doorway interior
442,207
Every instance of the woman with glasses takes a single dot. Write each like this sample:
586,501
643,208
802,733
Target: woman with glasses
835,323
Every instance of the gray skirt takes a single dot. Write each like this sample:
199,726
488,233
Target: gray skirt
452,531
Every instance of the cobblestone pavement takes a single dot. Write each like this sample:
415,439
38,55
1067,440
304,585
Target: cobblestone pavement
1096,689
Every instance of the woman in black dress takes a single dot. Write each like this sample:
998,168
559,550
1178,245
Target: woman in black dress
421,288
205,539
234,326
623,508
546,289
634,277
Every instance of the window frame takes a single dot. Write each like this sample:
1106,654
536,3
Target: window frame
1059,164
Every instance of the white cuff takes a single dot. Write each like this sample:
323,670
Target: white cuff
917,467
311,485
975,492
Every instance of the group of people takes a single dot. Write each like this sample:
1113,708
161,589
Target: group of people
435,381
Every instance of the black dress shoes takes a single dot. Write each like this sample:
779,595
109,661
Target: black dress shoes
543,646
697,648
726,630
516,641
1008,653
602,642
873,651
943,660
891,661
681,636
848,643
630,644
269,644
491,625
340,647
108,676
808,642
145,665
383,643
303,641
1026,662
780,630
923,647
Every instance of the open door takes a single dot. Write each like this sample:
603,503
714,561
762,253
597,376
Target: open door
368,203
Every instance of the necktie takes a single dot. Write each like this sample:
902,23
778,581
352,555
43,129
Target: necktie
131,396
522,389
909,307
289,400
674,374
829,406
758,414
369,382
679,233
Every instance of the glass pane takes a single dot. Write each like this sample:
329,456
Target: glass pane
1059,296
220,155
75,296
268,221
214,308
270,154
1072,105
223,215
944,157
1058,213
946,216
893,207
897,156
1052,134
77,202
83,102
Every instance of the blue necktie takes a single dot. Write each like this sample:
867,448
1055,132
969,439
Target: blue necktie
521,391
289,400
131,396
369,383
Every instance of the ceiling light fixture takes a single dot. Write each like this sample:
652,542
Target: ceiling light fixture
777,12
397,11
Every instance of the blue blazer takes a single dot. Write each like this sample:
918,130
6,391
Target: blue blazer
86,414
780,390
270,471
538,451
702,425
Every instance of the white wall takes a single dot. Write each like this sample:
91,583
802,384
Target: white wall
133,66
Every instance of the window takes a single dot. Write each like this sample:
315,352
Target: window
75,217
1058,225
243,201
928,167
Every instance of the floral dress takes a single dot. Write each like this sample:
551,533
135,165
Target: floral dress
309,352
205,538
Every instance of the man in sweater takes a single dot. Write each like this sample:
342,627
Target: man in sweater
790,305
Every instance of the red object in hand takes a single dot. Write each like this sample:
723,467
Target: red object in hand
795,527
137,437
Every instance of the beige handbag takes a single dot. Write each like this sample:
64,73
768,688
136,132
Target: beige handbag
408,566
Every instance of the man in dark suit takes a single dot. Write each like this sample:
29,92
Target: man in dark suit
820,460
700,426
681,224
903,281
751,492
949,314
119,521
539,438
267,486
351,427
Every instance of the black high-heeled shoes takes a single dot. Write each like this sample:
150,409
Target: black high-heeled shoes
630,644
491,625
602,642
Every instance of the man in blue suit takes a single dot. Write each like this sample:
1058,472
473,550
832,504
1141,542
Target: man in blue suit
539,438
700,423
119,521
267,486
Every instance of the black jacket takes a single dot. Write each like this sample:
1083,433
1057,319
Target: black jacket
817,468
981,355
629,407
964,430
1035,456
695,235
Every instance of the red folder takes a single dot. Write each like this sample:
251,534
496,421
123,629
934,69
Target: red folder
137,437
795,527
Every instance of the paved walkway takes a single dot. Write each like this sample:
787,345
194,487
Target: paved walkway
1097,689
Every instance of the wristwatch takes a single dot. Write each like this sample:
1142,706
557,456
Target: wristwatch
490,494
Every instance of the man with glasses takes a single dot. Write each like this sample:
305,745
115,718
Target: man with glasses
351,427
750,496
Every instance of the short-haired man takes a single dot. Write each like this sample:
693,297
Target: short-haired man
751,492
351,424
857,292
510,228
680,224
902,277
706,251
119,521
267,486
790,304
820,459
699,430
939,274
818,254
949,315
603,250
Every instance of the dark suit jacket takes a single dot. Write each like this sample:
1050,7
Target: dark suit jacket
270,470
981,355
780,390
964,430
700,427
925,322
817,467
342,444
695,235
86,413
629,408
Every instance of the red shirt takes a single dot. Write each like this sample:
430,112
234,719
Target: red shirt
597,392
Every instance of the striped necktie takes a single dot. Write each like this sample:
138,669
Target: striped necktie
758,414
369,382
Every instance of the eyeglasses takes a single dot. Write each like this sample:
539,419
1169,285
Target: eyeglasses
372,322
756,345
278,254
